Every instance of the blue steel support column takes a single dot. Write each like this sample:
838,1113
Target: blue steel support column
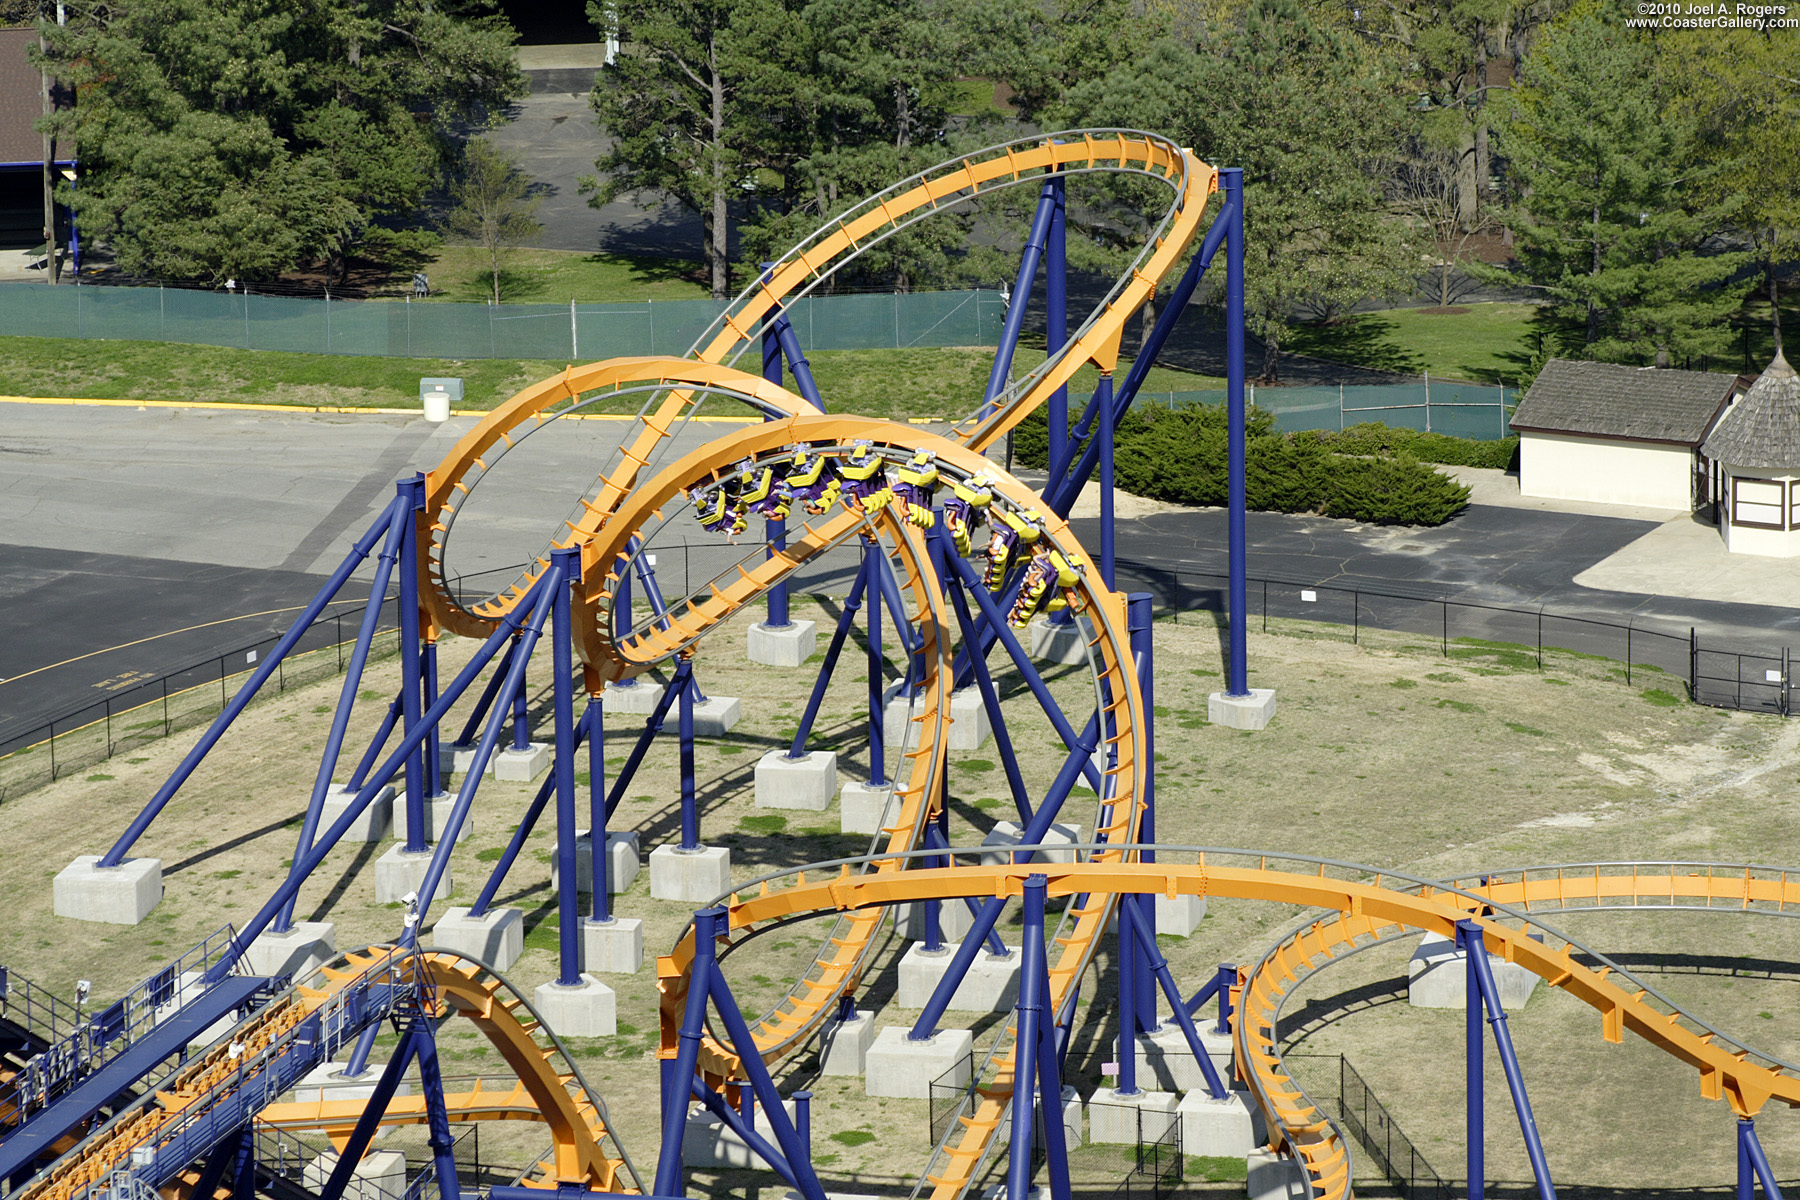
1128,1000
340,720
1026,1045
1227,976
412,496
480,711
245,694
803,1120
690,812
1746,1180
775,529
1750,1146
521,718
1140,618
1475,1051
1021,296
806,1182
621,611
510,855
1050,1066
846,620
434,768
677,1074
247,933
1056,317
541,608
653,725
877,728
1159,966
601,903
1469,933
364,1132
566,562
984,681
1103,391
1231,182
437,1117
376,745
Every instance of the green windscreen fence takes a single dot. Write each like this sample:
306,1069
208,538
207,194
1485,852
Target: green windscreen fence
442,329
1466,410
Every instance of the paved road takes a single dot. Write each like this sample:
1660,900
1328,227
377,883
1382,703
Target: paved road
123,524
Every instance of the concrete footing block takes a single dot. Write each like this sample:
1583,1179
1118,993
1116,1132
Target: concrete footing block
782,645
807,783
1253,711
1166,1063
954,920
398,872
496,936
381,1175
614,947
1438,977
328,1082
991,984
121,895
865,808
634,697
374,822
844,1050
1179,916
1116,1119
690,876
1063,645
899,1066
1272,1176
522,766
1228,1128
308,945
623,861
715,716
897,713
970,726
437,818
455,758
708,1142
1006,834
585,1009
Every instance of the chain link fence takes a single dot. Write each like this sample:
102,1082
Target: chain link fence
444,329
1466,410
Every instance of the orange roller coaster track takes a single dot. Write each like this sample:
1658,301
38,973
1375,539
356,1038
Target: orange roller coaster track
1376,905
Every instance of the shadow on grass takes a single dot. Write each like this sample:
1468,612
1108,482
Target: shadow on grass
1364,340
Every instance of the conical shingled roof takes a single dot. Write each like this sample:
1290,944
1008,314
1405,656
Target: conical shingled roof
1763,429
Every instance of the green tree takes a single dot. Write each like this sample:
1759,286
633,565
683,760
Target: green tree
869,109
693,105
1742,86
491,204
243,137
1613,203
1313,117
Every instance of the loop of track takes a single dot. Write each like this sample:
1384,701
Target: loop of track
1110,151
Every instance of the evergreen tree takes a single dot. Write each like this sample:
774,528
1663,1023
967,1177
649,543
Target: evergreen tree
1312,115
1742,87
694,104
244,137
1613,204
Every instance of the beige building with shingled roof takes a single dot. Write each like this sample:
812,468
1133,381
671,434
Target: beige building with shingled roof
1756,449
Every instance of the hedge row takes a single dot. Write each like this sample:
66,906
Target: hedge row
1376,438
1179,457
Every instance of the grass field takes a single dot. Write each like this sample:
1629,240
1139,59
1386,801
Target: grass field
1486,343
881,383
460,273
1382,752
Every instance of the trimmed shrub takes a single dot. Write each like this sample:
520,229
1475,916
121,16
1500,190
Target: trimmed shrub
1374,438
1180,457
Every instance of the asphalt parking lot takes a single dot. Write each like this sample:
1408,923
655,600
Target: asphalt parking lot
142,540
